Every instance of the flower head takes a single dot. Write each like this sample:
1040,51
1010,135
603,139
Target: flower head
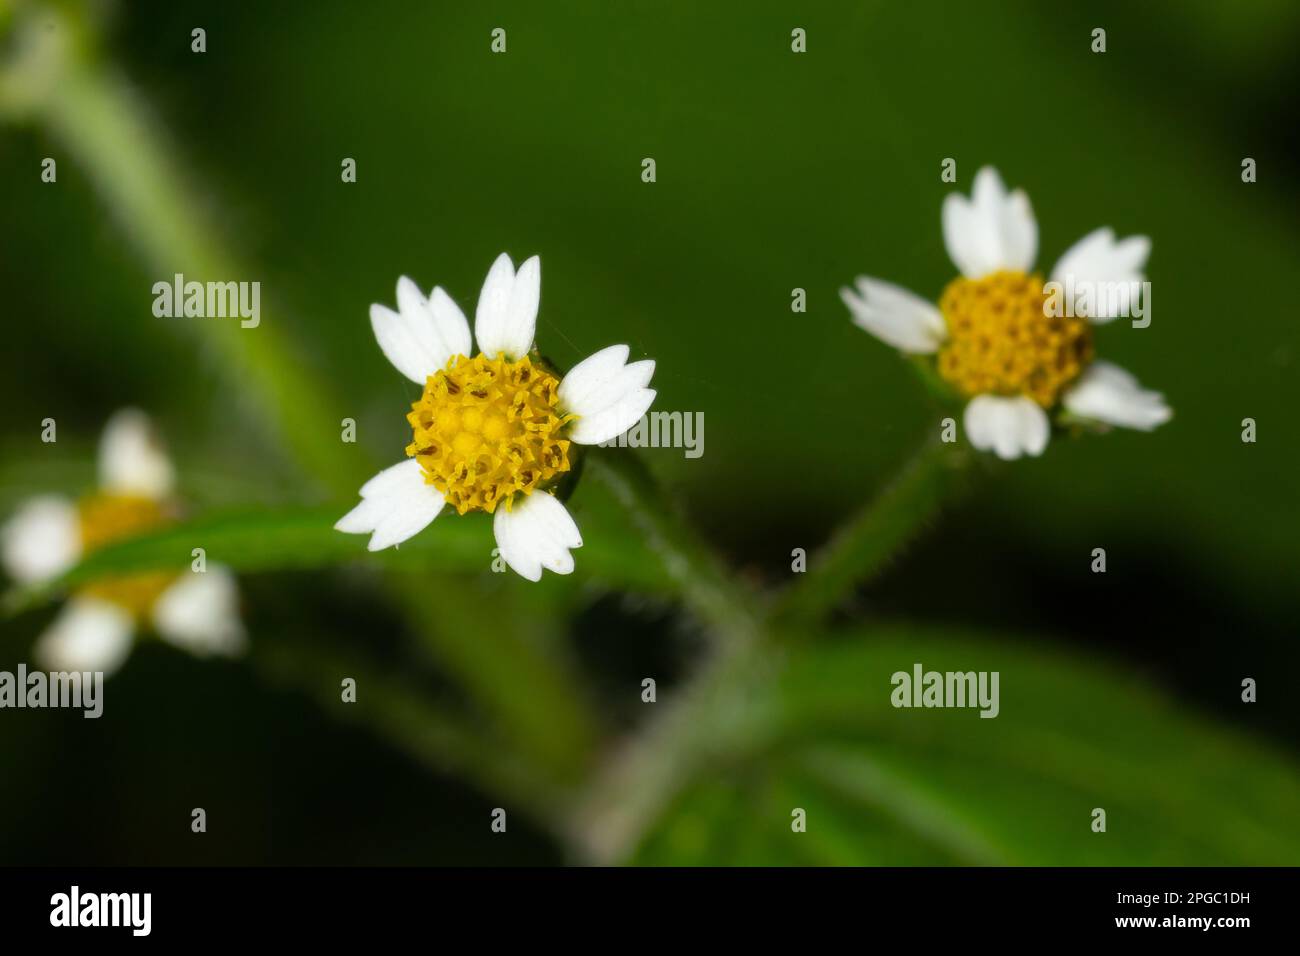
493,431
49,534
1014,347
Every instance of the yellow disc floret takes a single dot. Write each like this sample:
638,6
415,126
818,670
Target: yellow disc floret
1003,341
486,428
105,518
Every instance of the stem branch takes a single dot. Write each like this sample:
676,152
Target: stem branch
871,538
707,589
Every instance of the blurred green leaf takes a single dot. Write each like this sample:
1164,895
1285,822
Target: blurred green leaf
913,786
396,707
298,538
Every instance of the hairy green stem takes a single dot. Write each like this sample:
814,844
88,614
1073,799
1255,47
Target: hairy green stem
55,76
708,591
875,535
635,786
640,781
58,80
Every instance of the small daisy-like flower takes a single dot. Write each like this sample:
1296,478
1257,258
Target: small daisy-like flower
1002,340
93,632
494,432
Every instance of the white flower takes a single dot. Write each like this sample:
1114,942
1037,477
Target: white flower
1011,345
493,432
95,629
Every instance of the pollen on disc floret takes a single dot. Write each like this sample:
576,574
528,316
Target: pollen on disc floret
486,428
1003,341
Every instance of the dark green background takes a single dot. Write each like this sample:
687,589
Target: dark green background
775,171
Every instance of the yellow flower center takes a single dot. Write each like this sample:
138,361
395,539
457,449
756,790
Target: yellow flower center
1001,341
487,428
105,518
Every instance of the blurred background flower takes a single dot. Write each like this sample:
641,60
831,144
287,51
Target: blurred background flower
776,171
1006,340
49,534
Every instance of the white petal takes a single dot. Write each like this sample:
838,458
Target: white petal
449,322
614,420
200,613
1010,427
1112,270
536,532
423,334
992,230
896,316
410,302
1019,231
525,299
506,318
395,505
491,314
131,457
41,540
592,372
1107,393
607,395
88,635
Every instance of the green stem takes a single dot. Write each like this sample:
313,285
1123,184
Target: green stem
57,78
708,591
634,787
876,534
639,781
93,111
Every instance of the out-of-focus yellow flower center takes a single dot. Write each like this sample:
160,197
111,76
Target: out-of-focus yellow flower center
1001,341
105,518
487,428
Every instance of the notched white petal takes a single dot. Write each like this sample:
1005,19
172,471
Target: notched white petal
440,331
1108,394
398,343
88,635
1019,231
1009,427
521,316
536,532
895,316
423,334
592,372
41,540
132,460
506,318
450,322
607,395
409,299
992,230
395,505
200,613
613,421
1104,274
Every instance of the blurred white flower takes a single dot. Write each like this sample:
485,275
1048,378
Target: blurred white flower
1015,348
493,432
95,628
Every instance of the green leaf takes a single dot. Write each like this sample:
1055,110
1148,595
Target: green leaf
905,786
298,538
